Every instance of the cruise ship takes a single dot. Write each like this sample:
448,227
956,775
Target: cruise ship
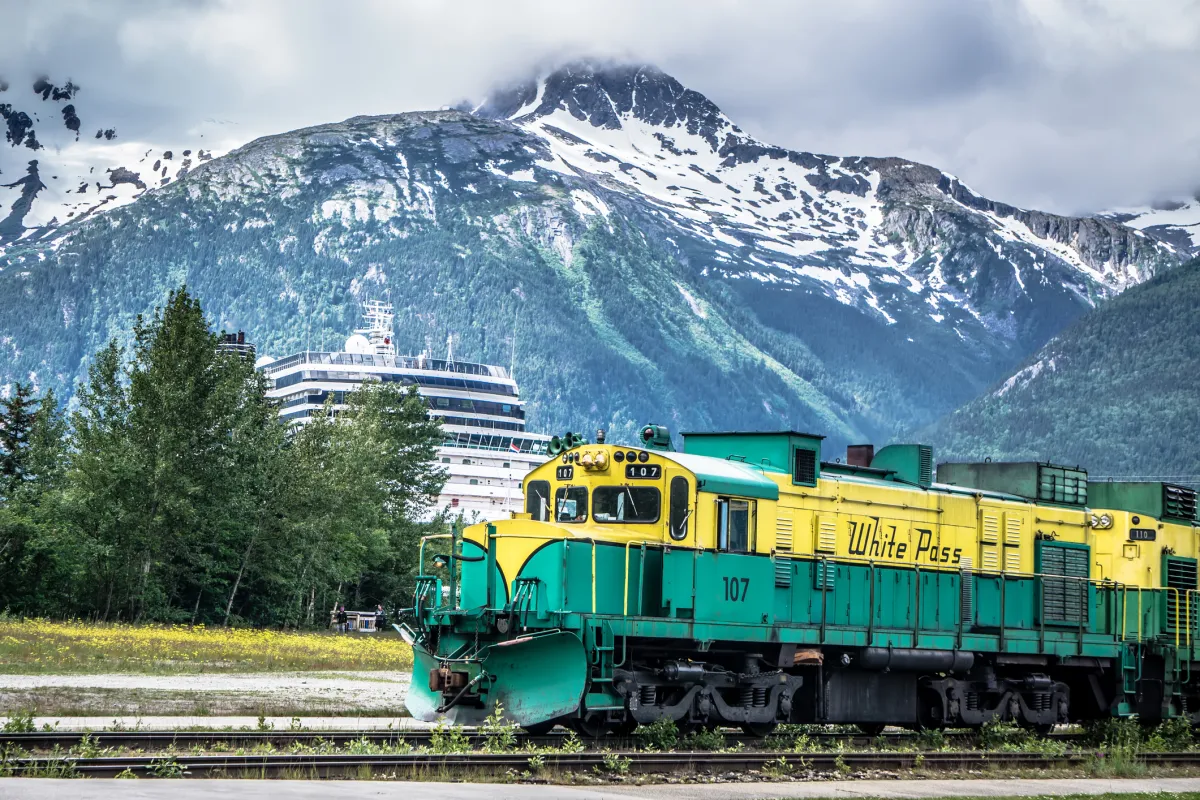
486,450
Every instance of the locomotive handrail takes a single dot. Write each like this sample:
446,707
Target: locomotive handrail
642,567
421,551
903,506
1176,596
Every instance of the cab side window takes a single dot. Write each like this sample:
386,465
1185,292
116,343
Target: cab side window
735,521
537,500
679,508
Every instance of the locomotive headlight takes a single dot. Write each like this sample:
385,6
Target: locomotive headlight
587,461
601,461
1094,521
1106,520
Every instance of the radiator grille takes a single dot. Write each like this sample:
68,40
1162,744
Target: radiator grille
1064,600
1062,485
805,467
1179,502
1179,573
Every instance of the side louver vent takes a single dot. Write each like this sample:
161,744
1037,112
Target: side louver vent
1179,502
783,552
925,465
968,593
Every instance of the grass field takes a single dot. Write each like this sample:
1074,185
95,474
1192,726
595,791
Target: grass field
41,646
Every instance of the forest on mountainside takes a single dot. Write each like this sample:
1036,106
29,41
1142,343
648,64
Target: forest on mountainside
174,493
1118,392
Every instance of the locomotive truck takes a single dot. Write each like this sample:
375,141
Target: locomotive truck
746,582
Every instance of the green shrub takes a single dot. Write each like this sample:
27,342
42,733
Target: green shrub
659,735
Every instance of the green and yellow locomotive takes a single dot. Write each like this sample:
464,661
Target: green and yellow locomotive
746,582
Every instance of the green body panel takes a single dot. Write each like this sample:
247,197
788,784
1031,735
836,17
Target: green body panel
727,477
1045,483
473,586
679,583
731,587
911,463
1149,498
772,450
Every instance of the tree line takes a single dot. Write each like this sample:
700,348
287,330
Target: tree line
171,491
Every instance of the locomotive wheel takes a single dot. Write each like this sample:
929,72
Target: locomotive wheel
591,726
625,727
541,728
871,728
759,730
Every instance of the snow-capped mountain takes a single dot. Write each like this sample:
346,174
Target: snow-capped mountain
61,161
875,232
1176,221
646,258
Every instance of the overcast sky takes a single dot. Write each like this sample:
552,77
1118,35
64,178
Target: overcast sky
1064,105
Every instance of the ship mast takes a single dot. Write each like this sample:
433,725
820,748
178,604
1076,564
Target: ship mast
378,330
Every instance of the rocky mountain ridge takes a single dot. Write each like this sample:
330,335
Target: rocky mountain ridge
649,259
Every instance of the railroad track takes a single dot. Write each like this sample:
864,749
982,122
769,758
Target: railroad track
421,737
426,764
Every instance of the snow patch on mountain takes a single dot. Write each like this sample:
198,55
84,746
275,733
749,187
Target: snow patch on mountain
1175,221
59,162
870,232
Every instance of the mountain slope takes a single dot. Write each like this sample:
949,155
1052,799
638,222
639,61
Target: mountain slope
650,260
1116,391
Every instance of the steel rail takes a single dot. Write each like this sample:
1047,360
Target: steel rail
423,764
417,737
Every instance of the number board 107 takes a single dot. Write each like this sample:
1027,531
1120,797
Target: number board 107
647,472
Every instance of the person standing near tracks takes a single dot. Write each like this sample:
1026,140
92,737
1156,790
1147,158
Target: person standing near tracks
341,619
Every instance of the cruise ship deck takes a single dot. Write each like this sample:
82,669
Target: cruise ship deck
486,450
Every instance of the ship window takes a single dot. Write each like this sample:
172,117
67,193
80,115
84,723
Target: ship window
570,504
733,525
537,500
626,504
445,460
442,402
466,461
507,464
679,508
474,482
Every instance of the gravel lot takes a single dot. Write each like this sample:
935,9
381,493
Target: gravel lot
217,694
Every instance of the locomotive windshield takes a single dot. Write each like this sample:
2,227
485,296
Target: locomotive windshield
570,504
625,504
